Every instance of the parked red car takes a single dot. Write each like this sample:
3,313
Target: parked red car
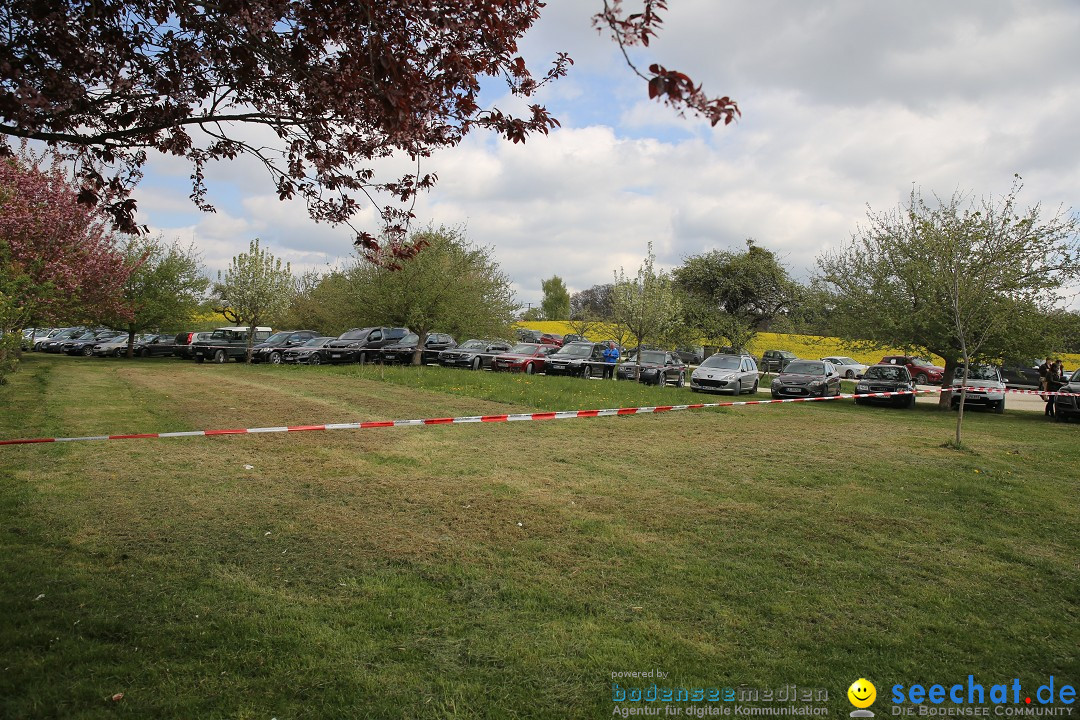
523,357
922,372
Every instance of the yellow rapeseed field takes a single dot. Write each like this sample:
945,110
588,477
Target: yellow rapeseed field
805,346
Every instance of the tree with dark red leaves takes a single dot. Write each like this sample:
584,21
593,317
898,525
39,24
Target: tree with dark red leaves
317,92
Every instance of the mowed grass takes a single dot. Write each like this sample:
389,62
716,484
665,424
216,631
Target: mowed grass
507,570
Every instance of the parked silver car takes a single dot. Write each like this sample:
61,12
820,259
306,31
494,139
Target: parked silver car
722,373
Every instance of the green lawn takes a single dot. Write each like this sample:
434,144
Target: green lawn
507,570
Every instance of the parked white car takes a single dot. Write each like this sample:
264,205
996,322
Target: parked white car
991,392
849,368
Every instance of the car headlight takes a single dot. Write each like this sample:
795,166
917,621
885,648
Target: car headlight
816,383
776,382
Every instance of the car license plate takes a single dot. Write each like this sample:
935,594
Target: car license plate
335,355
793,389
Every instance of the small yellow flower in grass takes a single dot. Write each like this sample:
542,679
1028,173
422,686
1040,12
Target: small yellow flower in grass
976,470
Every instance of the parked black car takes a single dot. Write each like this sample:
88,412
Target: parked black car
84,344
582,359
774,361
807,378
657,367
155,346
1024,376
55,344
401,352
691,355
1067,408
310,353
228,343
473,354
183,342
272,349
886,378
362,344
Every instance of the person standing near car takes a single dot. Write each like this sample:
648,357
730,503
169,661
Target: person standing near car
1046,374
611,356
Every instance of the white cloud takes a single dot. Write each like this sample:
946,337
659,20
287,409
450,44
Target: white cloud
846,104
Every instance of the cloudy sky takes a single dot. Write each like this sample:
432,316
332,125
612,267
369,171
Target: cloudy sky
845,105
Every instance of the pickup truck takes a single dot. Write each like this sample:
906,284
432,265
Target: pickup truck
227,343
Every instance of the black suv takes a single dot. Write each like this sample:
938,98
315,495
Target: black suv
401,352
361,344
583,359
272,349
227,343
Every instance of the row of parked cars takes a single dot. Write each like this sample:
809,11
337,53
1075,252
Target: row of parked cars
724,372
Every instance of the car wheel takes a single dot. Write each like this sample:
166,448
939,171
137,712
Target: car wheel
200,359
361,358
999,407
529,370
144,353
920,379
315,359
586,371
849,374
88,351
738,388
119,352
221,357
477,363
910,402
681,382
275,358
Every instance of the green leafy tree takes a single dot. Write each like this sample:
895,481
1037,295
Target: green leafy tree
556,302
165,288
969,281
320,301
256,286
729,296
590,309
448,286
646,305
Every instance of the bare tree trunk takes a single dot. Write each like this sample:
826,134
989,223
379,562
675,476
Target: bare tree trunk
963,397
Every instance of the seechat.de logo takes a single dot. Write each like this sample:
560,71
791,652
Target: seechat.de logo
862,694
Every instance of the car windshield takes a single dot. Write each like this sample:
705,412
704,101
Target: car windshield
919,362
655,357
805,367
410,339
317,342
278,337
472,345
575,350
1075,377
353,335
723,362
523,349
842,361
878,372
979,372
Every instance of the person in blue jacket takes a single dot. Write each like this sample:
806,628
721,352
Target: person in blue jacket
611,356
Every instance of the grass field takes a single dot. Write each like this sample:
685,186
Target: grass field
507,570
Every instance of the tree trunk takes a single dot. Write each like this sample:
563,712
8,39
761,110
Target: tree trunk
131,343
418,353
945,398
251,339
960,409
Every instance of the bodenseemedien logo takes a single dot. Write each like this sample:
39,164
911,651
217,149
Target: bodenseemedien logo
862,694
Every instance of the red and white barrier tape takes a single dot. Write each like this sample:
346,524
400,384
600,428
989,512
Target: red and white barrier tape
559,415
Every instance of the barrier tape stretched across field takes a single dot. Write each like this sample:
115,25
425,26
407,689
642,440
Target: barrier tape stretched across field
557,415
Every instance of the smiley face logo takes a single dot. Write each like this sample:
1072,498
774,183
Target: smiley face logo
862,693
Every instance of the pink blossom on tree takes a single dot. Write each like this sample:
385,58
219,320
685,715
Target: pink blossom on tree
59,261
